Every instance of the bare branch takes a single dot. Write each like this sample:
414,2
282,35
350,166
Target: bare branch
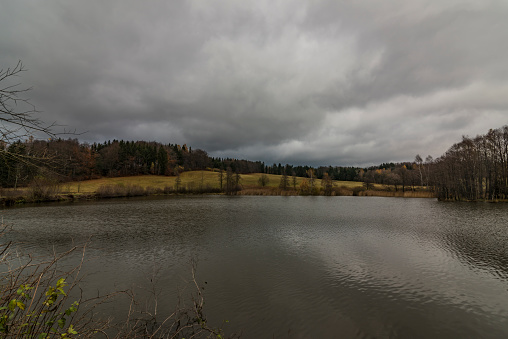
18,116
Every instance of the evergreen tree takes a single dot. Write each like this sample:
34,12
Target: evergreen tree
162,160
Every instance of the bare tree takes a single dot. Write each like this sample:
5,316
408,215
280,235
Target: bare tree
221,178
20,160
419,164
427,168
18,116
178,180
327,184
473,169
310,173
284,181
263,180
231,182
393,179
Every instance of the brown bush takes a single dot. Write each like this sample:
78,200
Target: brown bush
114,191
43,188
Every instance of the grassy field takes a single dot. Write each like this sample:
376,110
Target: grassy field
193,178
196,182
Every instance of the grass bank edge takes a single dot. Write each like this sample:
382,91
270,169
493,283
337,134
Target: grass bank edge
195,182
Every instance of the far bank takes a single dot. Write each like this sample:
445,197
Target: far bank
201,182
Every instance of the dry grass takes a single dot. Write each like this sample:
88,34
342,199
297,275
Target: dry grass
91,186
194,178
208,181
399,194
252,180
253,190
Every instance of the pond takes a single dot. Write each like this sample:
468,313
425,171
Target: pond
297,267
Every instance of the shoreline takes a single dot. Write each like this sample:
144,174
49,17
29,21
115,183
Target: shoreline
84,197
21,200
197,183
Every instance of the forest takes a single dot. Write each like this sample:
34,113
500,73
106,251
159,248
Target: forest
70,160
472,169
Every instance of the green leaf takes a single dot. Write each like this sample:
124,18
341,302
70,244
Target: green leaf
43,335
20,305
61,322
71,309
61,282
71,330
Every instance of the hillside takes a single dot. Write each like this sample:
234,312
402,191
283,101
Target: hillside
191,178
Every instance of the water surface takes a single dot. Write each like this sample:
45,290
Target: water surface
298,267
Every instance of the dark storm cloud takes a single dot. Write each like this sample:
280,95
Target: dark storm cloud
318,82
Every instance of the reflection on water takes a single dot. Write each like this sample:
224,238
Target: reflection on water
300,266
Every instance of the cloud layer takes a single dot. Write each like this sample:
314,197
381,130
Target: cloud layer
321,82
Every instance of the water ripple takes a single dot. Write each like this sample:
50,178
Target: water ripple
300,267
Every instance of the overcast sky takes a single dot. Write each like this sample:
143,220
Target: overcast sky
303,82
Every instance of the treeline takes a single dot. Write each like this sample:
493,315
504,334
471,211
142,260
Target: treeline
334,172
402,176
70,160
474,169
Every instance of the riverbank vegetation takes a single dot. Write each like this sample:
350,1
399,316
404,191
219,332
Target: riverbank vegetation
41,297
199,182
474,169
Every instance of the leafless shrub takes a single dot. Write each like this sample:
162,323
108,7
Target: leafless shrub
12,193
134,191
343,191
44,299
186,321
35,297
43,188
